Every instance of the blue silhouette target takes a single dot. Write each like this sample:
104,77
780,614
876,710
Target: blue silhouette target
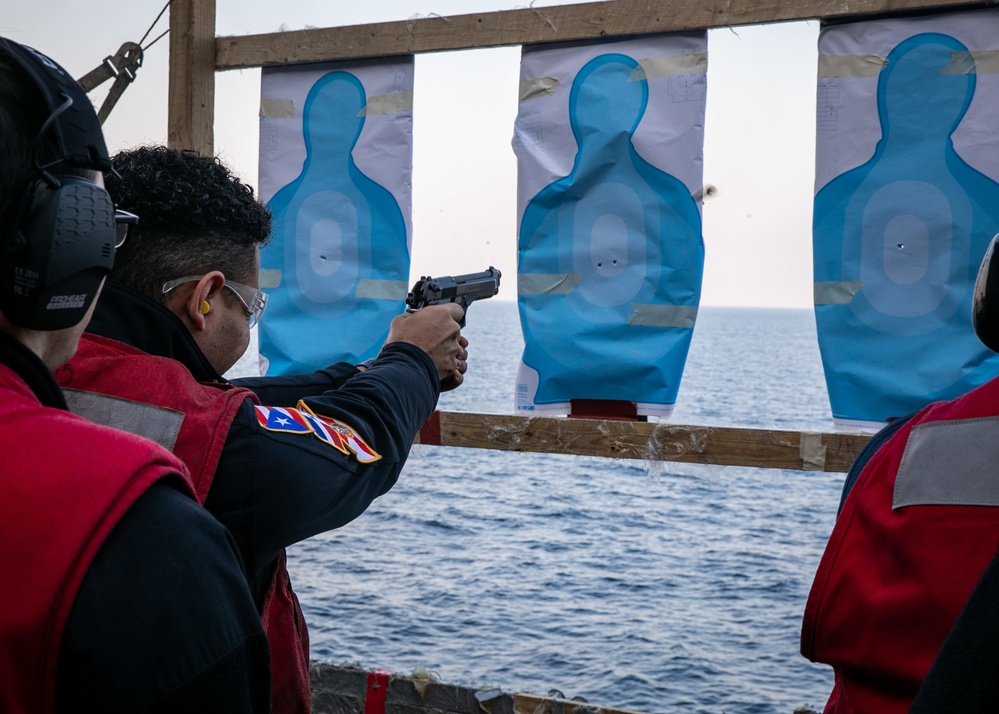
340,246
610,254
898,241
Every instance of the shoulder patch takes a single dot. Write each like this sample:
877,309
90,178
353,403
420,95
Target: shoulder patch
338,435
282,419
302,420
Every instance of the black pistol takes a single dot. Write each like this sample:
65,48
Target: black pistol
462,289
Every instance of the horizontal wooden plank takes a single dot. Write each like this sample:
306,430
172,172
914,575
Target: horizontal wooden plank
534,704
662,441
342,689
536,25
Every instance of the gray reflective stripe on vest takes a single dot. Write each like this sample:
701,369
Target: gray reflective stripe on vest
950,463
159,424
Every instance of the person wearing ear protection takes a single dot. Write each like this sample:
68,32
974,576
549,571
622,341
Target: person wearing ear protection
918,527
276,460
120,593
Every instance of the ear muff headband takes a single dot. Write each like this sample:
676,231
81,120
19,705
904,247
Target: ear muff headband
76,131
61,244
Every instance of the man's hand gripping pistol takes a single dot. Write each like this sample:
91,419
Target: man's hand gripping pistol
462,289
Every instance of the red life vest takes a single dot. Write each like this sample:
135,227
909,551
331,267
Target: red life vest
66,482
113,368
914,536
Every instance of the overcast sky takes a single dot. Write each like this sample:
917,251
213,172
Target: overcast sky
759,130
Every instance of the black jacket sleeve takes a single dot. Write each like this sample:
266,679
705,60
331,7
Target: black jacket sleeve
274,488
287,390
163,620
963,676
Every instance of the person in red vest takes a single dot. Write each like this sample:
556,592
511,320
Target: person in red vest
120,593
276,460
903,605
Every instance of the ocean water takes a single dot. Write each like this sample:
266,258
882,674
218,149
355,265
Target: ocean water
646,586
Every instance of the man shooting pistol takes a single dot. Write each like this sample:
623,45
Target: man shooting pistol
462,289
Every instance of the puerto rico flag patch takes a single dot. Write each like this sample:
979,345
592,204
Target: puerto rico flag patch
302,420
281,419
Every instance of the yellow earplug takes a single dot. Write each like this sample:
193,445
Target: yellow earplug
205,307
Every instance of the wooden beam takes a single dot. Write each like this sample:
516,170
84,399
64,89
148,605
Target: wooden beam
524,703
725,446
191,97
342,689
534,25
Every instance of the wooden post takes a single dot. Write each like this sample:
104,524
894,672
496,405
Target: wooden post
191,100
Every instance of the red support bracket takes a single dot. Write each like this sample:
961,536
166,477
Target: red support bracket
430,432
374,700
616,409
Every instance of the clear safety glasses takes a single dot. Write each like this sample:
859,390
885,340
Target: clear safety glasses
253,300
122,221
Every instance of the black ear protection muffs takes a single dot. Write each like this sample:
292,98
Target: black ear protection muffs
61,244
985,303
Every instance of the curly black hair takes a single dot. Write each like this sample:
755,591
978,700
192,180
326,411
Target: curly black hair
195,216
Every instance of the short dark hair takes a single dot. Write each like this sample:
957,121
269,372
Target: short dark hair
22,113
195,216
